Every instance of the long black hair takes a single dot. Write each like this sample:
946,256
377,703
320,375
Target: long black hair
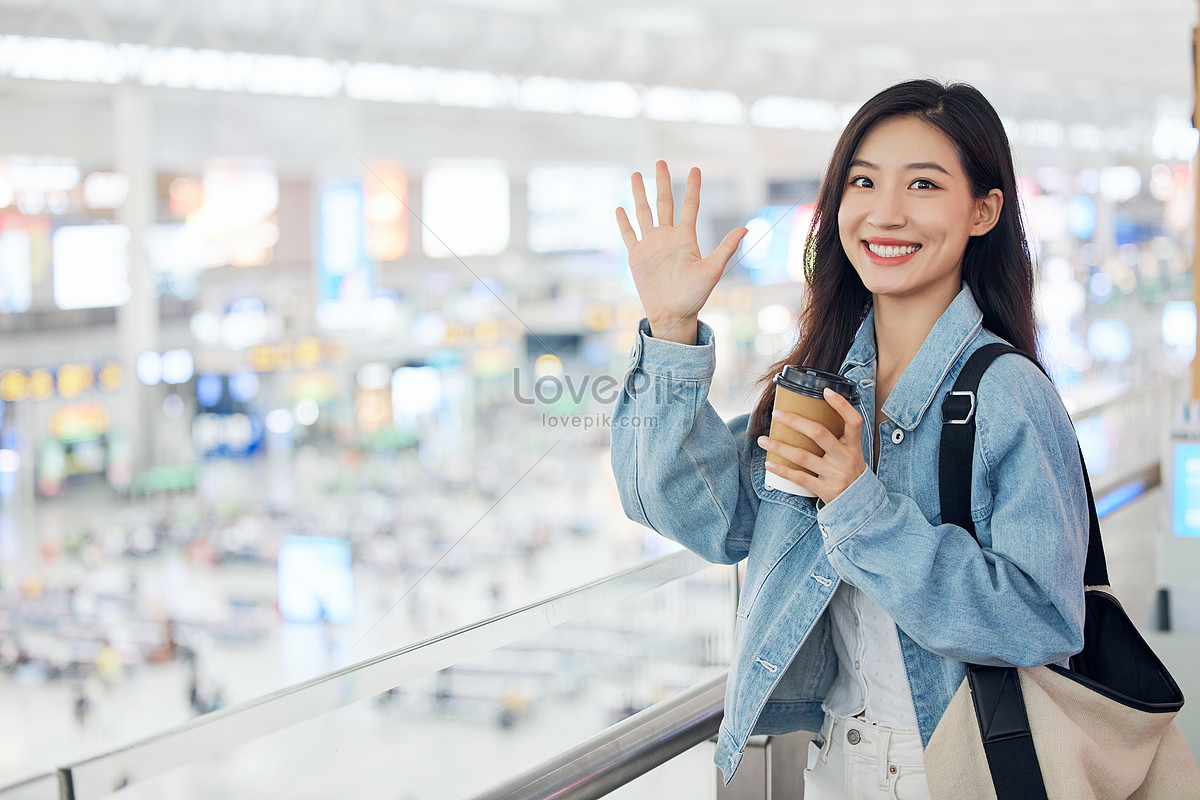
996,266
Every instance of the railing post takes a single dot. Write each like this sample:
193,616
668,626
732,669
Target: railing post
772,768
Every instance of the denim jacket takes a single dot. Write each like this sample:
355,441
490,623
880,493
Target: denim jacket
1013,598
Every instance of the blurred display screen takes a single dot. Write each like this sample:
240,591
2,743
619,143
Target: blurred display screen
774,246
1186,498
235,214
226,435
91,266
571,208
415,390
386,190
1179,324
345,274
316,581
466,210
1109,340
16,270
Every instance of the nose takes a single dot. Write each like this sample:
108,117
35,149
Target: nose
887,210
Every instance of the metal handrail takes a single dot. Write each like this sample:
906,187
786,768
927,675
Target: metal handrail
1151,390
221,730
632,747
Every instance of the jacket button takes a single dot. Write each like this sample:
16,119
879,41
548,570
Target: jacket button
898,436
853,736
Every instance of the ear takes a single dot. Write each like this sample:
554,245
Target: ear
987,212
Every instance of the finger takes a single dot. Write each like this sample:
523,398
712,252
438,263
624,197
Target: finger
797,476
849,413
628,236
691,198
814,430
666,202
797,455
727,247
641,205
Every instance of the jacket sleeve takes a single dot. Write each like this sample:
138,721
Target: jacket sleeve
1015,597
680,469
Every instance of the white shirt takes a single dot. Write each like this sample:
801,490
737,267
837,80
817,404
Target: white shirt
871,677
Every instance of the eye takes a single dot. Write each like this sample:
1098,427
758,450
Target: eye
924,180
855,181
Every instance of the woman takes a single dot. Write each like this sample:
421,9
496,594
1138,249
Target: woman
916,258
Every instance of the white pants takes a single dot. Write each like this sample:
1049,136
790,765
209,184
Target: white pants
860,761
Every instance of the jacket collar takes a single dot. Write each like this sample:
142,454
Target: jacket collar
919,382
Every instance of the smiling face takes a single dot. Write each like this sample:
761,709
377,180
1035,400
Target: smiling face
907,213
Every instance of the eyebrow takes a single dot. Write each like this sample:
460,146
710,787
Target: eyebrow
858,162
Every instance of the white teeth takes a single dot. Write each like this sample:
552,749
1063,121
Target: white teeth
888,251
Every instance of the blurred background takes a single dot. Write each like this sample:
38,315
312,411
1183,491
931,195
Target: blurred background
305,307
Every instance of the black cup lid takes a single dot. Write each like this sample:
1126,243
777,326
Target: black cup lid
813,382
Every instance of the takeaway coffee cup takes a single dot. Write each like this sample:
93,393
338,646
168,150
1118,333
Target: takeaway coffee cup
799,389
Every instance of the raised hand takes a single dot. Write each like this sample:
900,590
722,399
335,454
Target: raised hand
673,281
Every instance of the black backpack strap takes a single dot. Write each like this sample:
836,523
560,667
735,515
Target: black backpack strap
957,455
996,691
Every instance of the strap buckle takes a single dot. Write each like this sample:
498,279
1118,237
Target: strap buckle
953,408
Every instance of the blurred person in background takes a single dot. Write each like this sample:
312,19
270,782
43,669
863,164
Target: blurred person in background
859,610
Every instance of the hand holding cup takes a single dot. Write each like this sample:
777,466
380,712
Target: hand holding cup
815,447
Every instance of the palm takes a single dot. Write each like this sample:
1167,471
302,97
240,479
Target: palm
673,280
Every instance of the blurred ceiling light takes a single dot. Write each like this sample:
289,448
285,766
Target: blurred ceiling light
415,390
243,385
606,99
177,366
206,327
1174,138
105,190
1085,136
546,94
548,365
245,324
149,368
1118,184
1160,182
89,61
306,411
41,384
774,319
373,376
429,329
279,421
794,112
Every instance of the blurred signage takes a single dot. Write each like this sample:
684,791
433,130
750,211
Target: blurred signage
465,208
79,422
91,266
385,214
345,274
1186,489
16,270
